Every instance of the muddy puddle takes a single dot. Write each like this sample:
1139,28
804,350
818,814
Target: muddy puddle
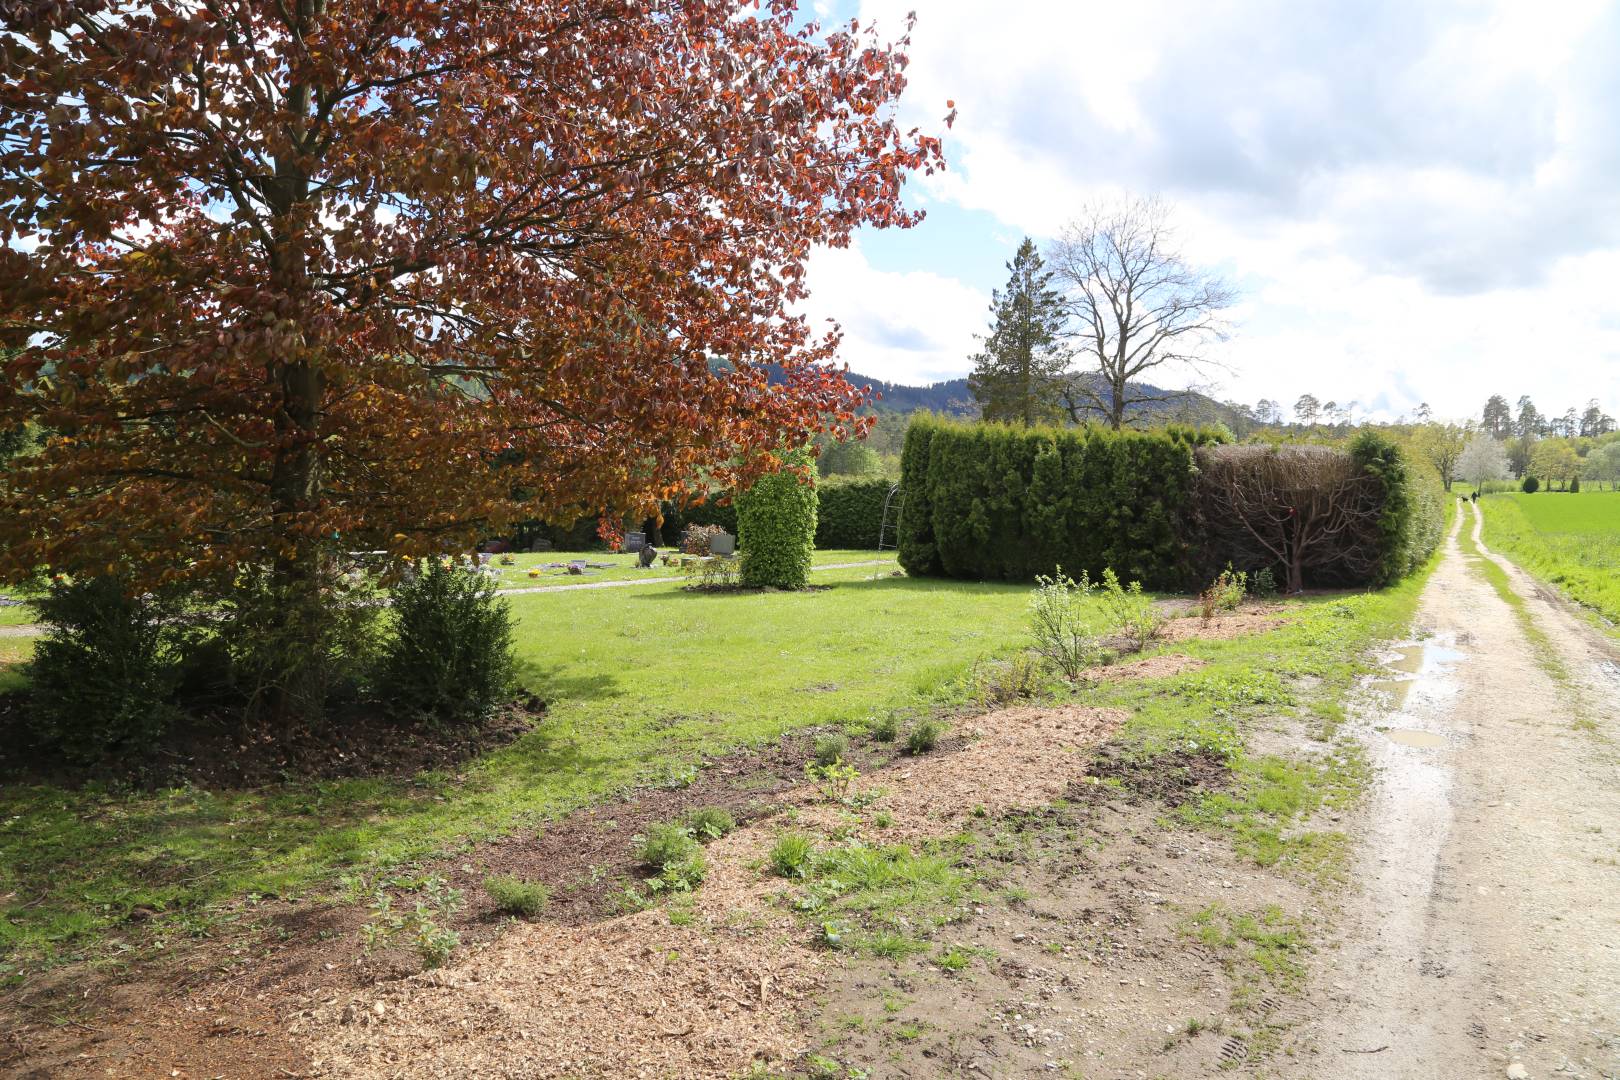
1423,669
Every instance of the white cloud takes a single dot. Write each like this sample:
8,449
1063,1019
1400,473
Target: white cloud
1417,198
913,327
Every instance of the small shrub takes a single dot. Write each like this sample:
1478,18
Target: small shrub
433,942
924,737
294,646
713,572
104,671
1131,613
1531,485
710,823
1206,605
1059,621
830,749
833,781
1574,484
1016,679
1230,587
1263,582
792,855
886,728
514,896
448,654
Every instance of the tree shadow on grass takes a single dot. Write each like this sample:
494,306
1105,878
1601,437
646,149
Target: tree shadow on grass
553,683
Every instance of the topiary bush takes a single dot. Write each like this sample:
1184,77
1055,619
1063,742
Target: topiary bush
104,672
1531,485
776,526
447,653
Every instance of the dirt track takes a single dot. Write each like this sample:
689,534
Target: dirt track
1485,939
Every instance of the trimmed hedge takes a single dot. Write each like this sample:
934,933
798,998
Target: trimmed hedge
992,502
776,526
1413,515
849,514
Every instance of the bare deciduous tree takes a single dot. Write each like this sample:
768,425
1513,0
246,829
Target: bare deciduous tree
1309,508
1135,304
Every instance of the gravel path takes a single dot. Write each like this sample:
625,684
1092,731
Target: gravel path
666,580
1484,939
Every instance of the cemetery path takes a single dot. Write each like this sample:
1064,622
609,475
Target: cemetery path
666,580
1483,937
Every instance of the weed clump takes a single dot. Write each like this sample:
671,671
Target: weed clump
924,737
674,856
830,749
792,855
515,896
709,823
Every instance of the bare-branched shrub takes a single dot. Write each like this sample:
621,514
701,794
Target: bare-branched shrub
1309,509
1060,623
696,539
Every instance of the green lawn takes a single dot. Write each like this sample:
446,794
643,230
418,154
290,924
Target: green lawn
643,684
1568,540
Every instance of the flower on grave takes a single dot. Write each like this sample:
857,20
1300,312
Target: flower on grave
534,572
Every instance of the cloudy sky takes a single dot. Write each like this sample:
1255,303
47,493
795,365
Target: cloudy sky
1419,200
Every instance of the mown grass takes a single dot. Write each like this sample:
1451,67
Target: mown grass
643,685
1571,541
1541,645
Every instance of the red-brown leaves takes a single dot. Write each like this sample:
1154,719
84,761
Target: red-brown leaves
404,272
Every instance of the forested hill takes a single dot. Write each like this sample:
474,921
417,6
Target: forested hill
952,397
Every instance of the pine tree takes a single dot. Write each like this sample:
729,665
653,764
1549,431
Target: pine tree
1017,376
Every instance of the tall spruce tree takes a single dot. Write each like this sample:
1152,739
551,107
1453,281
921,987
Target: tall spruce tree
1017,376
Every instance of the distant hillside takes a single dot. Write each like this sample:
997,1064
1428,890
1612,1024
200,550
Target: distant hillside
953,398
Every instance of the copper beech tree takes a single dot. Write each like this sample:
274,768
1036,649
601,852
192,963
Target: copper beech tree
284,274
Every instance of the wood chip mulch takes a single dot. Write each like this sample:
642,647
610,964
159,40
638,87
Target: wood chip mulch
636,996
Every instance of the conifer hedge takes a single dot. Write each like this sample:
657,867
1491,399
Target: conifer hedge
850,513
993,502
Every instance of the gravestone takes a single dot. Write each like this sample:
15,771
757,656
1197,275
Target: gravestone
722,544
635,541
648,554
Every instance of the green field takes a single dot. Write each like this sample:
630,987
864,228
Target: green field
644,685
1568,540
